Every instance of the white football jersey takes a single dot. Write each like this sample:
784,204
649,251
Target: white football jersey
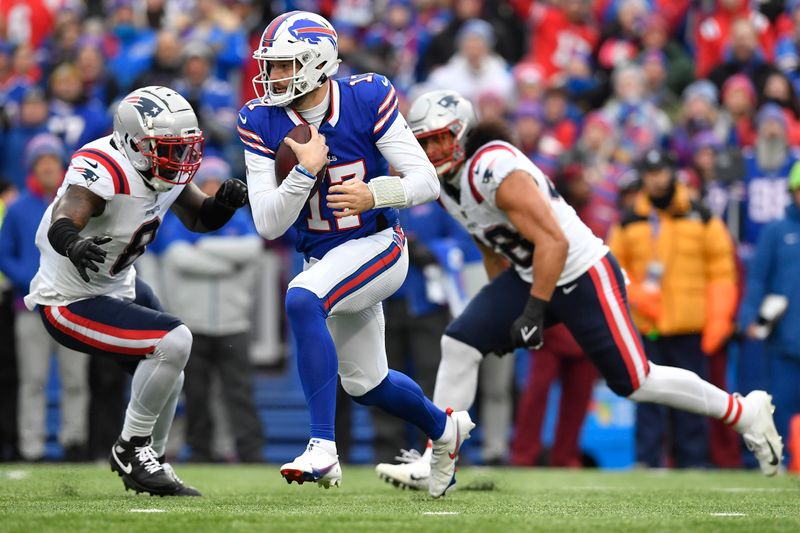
475,208
132,215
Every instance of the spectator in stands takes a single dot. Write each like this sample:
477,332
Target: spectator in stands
74,117
166,65
787,49
733,28
507,28
475,68
638,123
669,245
773,271
9,437
395,40
739,100
31,121
211,98
19,261
417,314
656,38
699,114
131,46
766,167
656,74
355,58
558,32
62,45
12,87
559,359
745,56
779,90
220,28
529,82
620,42
98,84
210,278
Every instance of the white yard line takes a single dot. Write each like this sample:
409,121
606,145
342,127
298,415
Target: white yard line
147,511
727,514
440,513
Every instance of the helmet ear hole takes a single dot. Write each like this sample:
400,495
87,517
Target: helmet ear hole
133,145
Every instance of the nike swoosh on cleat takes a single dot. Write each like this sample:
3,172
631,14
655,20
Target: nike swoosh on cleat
127,469
458,443
415,477
774,461
318,473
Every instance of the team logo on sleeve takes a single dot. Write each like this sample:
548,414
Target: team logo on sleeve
87,173
312,32
145,106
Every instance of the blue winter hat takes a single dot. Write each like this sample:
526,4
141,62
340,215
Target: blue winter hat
701,89
477,27
771,112
211,168
42,145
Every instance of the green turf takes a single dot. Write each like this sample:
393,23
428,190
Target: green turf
245,498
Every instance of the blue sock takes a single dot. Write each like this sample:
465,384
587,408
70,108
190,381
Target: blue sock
316,359
399,395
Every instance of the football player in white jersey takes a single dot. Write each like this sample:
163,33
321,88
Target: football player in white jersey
348,232
109,207
560,272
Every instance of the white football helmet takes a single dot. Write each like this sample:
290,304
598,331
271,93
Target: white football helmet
310,42
443,112
158,131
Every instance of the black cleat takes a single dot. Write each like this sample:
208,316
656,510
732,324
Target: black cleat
185,489
137,464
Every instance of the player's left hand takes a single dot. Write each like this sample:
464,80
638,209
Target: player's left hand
528,330
351,197
232,194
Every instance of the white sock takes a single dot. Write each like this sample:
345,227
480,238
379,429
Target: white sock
449,431
154,382
327,445
457,378
164,422
682,389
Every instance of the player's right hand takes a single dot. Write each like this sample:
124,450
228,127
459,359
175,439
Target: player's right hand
84,253
312,155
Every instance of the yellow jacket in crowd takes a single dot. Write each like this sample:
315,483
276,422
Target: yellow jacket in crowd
680,261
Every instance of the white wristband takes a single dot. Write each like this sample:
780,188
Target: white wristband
388,191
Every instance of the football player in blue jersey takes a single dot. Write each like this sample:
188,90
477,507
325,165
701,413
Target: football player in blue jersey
348,232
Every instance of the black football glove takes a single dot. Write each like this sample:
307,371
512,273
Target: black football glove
84,253
232,194
528,330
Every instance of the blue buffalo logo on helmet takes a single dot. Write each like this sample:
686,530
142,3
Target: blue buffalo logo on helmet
145,106
312,32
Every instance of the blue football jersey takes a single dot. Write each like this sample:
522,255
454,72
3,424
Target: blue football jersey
362,109
766,194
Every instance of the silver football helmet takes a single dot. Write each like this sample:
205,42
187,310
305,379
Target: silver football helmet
441,115
158,131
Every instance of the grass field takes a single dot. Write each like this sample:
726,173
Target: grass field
89,498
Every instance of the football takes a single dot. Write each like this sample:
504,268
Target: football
285,160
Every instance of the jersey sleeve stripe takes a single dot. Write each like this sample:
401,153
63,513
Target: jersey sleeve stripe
111,166
471,176
254,137
261,150
386,101
386,117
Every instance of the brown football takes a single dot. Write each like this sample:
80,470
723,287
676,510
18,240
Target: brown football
285,160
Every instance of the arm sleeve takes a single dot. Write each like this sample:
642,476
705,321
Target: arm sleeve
274,208
758,272
401,149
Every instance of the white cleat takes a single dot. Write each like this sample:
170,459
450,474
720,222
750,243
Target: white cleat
445,453
314,465
413,471
762,437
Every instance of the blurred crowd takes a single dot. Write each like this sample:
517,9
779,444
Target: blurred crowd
672,127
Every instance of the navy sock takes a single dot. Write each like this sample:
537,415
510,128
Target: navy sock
399,395
316,359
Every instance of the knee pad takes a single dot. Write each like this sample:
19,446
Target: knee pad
175,347
300,302
356,382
